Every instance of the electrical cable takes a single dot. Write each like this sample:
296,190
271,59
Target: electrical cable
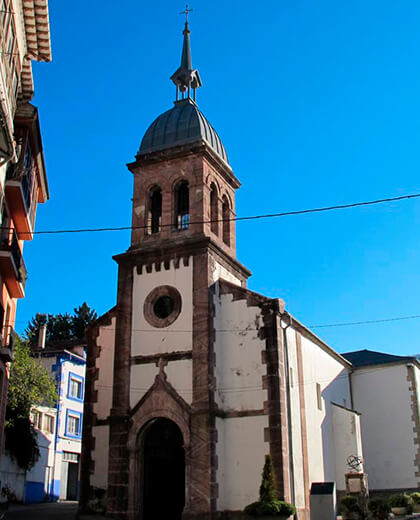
235,219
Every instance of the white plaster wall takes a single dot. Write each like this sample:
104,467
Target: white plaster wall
12,476
241,453
221,272
381,394
178,336
46,446
142,378
347,441
99,477
238,348
105,364
179,375
321,367
417,376
295,419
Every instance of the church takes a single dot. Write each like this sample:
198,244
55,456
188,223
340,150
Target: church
192,378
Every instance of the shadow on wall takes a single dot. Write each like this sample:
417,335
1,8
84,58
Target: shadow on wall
338,391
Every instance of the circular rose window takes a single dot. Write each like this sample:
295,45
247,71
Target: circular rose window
162,306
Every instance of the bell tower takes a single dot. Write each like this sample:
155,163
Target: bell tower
182,242
184,187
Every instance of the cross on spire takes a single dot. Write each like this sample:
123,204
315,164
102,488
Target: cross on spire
186,12
186,78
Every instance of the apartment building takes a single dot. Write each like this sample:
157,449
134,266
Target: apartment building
24,37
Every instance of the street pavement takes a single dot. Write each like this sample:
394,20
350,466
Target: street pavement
54,511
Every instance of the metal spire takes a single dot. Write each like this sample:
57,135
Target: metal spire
186,78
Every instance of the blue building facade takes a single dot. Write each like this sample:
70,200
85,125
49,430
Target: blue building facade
56,475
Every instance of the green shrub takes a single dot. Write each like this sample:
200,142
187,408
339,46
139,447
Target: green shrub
399,500
379,508
351,504
268,504
415,497
270,508
268,491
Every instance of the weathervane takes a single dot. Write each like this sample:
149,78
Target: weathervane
186,12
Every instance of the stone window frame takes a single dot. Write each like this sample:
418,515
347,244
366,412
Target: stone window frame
152,297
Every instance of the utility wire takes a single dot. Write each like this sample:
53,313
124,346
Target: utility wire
367,322
252,329
235,219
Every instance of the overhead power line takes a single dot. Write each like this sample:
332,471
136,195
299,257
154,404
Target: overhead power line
235,219
367,322
254,329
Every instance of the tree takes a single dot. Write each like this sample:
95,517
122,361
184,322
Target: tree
83,316
268,491
61,327
29,385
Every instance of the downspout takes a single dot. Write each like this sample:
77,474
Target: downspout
284,326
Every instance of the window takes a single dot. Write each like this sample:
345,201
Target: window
37,419
182,206
75,387
226,221
155,210
73,423
68,456
319,396
214,209
49,423
162,306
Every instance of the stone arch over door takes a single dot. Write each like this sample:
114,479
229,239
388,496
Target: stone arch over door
160,402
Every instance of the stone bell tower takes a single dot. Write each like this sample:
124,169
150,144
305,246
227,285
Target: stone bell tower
183,241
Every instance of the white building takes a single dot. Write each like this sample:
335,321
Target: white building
193,378
386,392
59,431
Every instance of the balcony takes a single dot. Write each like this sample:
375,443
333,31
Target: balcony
21,198
12,266
7,341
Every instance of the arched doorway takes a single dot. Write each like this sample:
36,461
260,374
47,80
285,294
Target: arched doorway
163,471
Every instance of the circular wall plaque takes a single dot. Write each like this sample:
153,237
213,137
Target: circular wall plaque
162,306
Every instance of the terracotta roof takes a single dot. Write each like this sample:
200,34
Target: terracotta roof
37,28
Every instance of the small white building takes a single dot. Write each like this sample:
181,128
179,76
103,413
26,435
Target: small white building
68,365
59,432
386,392
39,479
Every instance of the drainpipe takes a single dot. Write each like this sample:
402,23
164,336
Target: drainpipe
285,323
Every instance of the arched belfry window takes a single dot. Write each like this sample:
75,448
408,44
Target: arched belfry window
214,209
155,210
182,206
226,221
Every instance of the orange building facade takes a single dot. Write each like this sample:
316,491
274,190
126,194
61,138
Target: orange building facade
24,37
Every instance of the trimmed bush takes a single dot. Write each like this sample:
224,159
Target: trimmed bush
399,500
270,508
268,491
379,508
269,504
415,497
351,504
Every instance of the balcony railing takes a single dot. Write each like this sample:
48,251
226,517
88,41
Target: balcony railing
12,266
7,343
21,194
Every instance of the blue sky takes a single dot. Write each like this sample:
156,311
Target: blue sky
317,103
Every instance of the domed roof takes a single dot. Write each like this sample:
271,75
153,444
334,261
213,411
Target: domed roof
183,124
